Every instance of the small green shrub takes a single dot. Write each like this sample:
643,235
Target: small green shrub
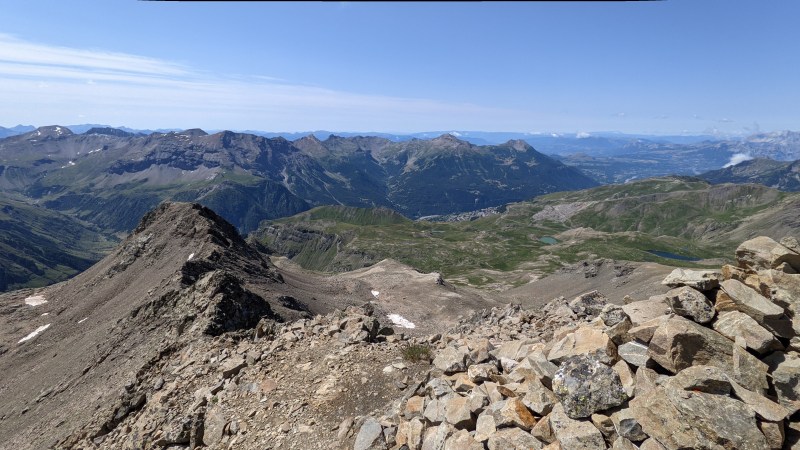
417,352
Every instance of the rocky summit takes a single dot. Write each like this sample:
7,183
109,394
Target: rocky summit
187,337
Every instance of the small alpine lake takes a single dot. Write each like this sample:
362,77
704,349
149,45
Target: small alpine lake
669,255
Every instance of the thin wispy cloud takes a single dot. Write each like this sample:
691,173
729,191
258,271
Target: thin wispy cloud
22,53
55,84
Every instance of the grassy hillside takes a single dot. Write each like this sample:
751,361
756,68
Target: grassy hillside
33,250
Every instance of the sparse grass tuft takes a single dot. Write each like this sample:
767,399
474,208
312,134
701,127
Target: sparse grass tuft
417,352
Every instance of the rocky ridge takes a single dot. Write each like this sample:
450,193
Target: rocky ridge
123,355
182,275
652,374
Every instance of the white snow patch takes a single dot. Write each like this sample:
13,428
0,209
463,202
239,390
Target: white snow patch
95,150
82,320
401,321
736,159
190,257
45,314
375,294
35,300
34,333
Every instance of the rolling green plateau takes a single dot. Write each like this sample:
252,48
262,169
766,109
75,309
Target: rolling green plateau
679,215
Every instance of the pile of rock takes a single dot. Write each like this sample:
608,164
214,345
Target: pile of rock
711,364
248,389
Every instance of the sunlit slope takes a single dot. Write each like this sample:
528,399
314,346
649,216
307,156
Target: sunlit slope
683,216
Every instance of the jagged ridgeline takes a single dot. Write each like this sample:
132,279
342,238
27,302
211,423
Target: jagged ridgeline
183,273
110,178
775,174
682,217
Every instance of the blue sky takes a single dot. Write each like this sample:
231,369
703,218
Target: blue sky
676,66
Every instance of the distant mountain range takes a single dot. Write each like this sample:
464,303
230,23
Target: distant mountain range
608,157
617,161
475,137
13,131
775,174
110,177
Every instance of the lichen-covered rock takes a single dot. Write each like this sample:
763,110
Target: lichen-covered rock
645,310
691,303
512,412
485,427
461,440
370,436
755,305
786,379
764,253
617,323
681,343
634,352
626,377
512,439
575,434
702,280
458,413
774,432
435,437
627,426
538,398
644,331
588,305
585,385
584,341
691,419
735,324
478,373
450,360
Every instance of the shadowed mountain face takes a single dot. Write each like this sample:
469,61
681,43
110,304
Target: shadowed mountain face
110,178
775,174
34,251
